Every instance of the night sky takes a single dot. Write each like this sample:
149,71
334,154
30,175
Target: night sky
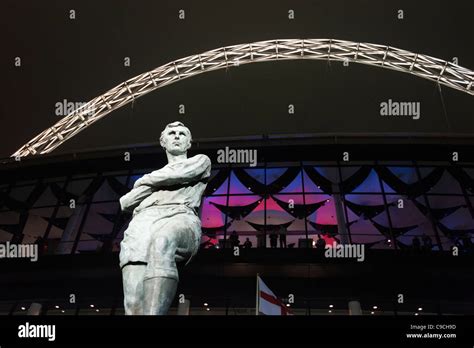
79,59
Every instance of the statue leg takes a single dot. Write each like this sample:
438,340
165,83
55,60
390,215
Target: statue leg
161,277
133,291
159,294
173,241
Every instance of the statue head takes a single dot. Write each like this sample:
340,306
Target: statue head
176,138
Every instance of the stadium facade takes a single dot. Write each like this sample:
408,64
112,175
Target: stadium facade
408,201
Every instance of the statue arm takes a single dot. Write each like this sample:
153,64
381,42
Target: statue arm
192,169
132,199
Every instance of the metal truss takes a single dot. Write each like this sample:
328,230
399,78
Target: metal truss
434,69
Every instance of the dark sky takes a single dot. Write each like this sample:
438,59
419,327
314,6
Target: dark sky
79,59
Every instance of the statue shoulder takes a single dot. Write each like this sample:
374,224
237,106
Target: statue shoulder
202,158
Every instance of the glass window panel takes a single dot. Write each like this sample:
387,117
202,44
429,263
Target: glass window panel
121,179
275,214
47,199
60,223
223,189
393,199
293,235
406,216
101,217
296,186
370,184
446,184
258,174
423,231
210,215
383,222
10,220
3,207
53,238
243,231
440,202
65,243
240,226
363,231
469,171
105,193
36,224
347,171
119,237
330,173
98,225
9,217
134,178
88,244
325,215
274,173
77,187
461,219
425,171
5,236
236,187
21,193
309,185
365,199
244,200
407,174
286,236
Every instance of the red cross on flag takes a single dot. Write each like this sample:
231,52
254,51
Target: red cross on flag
267,302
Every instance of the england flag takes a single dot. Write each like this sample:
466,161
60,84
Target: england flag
267,302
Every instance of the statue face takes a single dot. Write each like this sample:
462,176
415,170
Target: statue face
176,140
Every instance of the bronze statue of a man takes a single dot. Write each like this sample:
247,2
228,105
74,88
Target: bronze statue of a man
165,228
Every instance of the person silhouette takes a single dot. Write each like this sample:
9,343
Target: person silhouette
416,244
320,243
234,239
247,243
282,232
273,240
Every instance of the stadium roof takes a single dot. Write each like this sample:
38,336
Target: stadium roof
78,59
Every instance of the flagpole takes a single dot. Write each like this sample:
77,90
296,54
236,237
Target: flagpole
258,298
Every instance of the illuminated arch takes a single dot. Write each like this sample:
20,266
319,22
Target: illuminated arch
387,57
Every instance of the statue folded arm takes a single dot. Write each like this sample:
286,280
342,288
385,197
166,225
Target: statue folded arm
184,172
192,169
132,199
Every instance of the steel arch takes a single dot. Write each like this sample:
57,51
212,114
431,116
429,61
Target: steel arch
387,57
